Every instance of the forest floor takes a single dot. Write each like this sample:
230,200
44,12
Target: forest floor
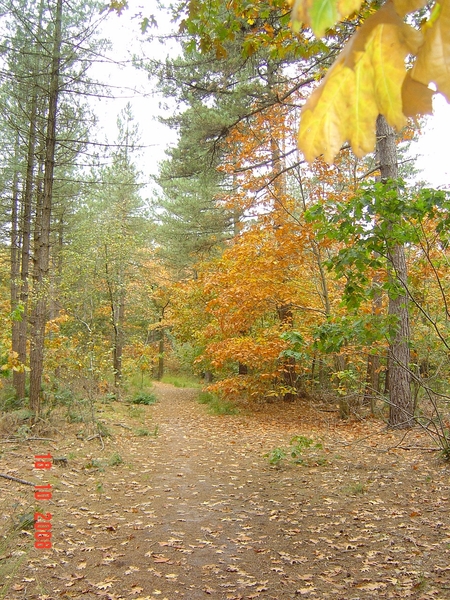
196,510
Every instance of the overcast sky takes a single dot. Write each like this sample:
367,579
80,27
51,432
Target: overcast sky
129,84
433,145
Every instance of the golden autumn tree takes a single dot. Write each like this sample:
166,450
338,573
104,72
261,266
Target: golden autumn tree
250,296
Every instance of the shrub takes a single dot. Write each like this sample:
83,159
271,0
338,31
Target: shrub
217,406
144,398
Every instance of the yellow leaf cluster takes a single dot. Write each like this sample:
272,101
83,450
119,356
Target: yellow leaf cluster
370,76
321,14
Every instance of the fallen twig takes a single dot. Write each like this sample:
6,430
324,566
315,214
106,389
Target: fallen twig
93,438
17,479
417,448
28,439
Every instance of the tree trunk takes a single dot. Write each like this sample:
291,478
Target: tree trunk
15,270
161,348
373,360
401,405
118,339
42,242
161,344
401,411
286,317
117,308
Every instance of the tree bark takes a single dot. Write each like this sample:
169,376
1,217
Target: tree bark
161,345
117,307
401,404
161,349
373,360
119,339
286,317
38,317
15,263
19,343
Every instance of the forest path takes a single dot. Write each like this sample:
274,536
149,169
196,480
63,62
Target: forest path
198,511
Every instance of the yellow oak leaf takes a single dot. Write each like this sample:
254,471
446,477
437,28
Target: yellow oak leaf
348,7
404,7
433,58
366,79
323,126
417,98
364,108
320,15
387,56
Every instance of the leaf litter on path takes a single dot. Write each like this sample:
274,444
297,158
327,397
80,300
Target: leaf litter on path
199,512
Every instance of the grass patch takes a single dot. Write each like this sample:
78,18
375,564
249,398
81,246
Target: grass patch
182,381
144,432
139,381
136,412
115,460
216,406
354,489
14,552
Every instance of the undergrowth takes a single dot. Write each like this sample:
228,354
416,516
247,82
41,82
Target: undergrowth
217,406
181,381
146,398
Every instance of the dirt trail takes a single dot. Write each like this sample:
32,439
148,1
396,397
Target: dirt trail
198,512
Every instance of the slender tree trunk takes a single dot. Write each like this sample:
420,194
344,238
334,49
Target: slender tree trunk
119,339
15,265
322,289
20,345
161,349
117,307
56,268
42,248
286,317
20,377
401,406
373,360
161,345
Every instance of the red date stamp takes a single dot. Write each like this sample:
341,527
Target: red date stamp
43,521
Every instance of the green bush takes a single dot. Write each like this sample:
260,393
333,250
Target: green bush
9,402
64,396
276,455
144,398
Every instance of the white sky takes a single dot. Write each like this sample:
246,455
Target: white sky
133,86
433,146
